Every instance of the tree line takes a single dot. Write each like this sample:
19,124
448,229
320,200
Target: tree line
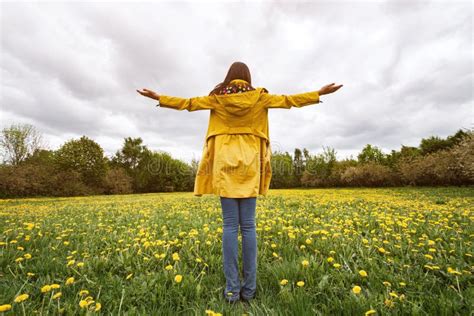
80,167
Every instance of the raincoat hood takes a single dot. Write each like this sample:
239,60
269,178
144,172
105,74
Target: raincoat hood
239,104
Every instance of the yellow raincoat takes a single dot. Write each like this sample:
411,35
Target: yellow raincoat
236,155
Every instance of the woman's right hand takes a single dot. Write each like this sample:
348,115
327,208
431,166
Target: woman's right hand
330,88
150,94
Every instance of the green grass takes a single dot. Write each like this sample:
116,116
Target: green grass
426,233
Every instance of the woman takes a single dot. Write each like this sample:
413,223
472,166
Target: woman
235,162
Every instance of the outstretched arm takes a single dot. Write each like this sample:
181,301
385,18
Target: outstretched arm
190,104
298,100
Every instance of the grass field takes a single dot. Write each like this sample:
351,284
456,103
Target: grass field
358,252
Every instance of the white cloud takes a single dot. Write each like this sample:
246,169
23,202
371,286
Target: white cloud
72,69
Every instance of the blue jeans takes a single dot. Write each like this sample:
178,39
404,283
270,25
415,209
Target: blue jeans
241,211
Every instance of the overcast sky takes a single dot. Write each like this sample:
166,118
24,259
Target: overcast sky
72,69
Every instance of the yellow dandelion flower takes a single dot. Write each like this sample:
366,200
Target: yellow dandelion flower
70,281
98,306
178,278
83,303
300,283
27,256
5,307
83,292
388,303
129,276
80,264
330,259
169,267
20,298
46,288
57,295
336,265
284,282
382,250
362,273
305,263
55,286
370,312
356,289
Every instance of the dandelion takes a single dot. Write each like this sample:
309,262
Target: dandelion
70,281
356,289
330,259
129,276
55,286
305,263
27,256
70,262
176,256
169,267
20,298
300,283
83,292
83,303
370,312
46,288
284,282
178,278
98,306
5,307
381,250
80,264
362,273
336,265
57,295
388,303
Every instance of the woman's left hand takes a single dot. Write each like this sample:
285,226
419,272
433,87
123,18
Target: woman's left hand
149,93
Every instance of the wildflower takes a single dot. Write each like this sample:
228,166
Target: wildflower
381,250
55,286
70,281
330,259
5,307
46,288
57,295
284,282
386,283
336,265
83,292
362,273
169,267
388,303
20,298
80,264
175,256
356,289
305,263
98,306
129,276
300,283
27,256
178,278
370,312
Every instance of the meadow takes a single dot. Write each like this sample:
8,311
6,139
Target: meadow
320,252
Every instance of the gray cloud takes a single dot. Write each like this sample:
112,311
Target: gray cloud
72,69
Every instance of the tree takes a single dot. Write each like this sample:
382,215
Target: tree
371,154
18,142
86,157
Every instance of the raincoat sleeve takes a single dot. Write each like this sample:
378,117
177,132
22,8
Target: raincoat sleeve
294,100
191,104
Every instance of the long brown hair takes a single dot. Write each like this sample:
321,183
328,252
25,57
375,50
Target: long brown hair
238,70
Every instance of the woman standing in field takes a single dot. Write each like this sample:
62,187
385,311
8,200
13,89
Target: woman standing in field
235,162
